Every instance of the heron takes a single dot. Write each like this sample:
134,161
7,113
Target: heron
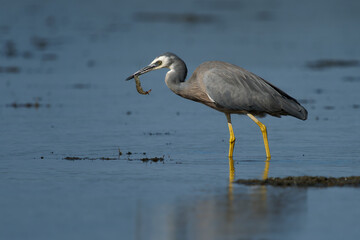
229,89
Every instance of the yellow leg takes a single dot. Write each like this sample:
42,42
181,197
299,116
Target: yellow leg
264,133
231,170
231,179
266,169
232,136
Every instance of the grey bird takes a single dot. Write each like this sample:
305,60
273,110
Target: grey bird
228,89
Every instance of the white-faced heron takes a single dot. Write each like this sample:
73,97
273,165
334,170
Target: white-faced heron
228,89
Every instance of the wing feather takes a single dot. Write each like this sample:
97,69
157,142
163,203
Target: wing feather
235,89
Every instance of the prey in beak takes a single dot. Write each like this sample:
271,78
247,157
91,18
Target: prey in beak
136,75
145,70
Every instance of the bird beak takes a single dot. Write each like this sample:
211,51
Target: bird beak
144,70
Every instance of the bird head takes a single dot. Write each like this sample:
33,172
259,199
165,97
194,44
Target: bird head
163,61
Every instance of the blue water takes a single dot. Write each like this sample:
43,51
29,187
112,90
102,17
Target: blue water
72,59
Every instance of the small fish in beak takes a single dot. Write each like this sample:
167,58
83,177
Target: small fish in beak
138,86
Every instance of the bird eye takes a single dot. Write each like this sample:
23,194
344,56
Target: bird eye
158,63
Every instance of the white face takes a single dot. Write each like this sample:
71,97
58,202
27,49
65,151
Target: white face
165,62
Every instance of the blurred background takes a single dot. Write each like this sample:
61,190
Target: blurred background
74,136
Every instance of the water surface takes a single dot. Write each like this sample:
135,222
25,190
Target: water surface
63,65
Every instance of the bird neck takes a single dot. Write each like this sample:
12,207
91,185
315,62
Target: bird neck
175,78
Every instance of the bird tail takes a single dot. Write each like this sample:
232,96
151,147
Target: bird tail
290,105
294,109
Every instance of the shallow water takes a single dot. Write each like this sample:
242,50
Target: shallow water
70,60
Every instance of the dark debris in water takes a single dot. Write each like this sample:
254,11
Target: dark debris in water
319,91
329,107
49,57
9,69
305,181
10,49
190,18
351,79
157,133
40,43
130,156
153,159
27,105
87,158
130,153
81,86
144,159
90,63
356,106
331,63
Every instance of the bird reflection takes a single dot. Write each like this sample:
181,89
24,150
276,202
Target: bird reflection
239,212
262,189
266,169
231,178
248,209
232,171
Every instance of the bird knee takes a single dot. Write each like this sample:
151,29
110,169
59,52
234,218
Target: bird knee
232,139
262,127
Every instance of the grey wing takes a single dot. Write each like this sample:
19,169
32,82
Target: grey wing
233,89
